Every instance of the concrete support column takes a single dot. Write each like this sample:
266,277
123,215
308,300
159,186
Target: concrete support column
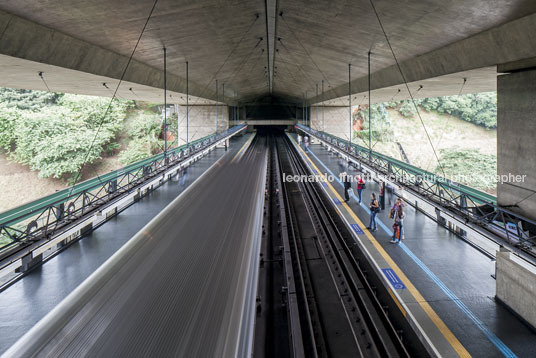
335,121
516,141
516,285
202,121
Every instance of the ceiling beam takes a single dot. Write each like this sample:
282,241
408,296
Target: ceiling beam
271,18
509,42
28,40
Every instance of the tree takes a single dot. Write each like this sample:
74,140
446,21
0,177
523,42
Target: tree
144,132
381,128
480,168
27,99
8,119
58,140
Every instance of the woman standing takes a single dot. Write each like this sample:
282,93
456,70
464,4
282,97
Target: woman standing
374,209
398,225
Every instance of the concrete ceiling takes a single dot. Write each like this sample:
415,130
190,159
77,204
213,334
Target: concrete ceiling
18,73
476,81
286,47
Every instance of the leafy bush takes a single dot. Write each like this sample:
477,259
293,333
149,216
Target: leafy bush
381,129
480,108
144,131
8,119
480,168
407,109
136,150
58,140
27,99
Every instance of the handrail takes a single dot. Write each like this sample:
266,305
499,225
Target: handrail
473,205
109,183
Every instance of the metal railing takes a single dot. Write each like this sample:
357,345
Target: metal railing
473,205
43,217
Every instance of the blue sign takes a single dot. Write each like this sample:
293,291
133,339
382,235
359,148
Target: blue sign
393,279
357,229
325,185
314,171
336,201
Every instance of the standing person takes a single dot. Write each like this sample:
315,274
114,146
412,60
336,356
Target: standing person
184,176
398,225
347,186
374,208
382,196
307,146
299,140
360,187
305,141
398,206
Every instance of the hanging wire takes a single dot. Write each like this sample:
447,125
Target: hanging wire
407,86
533,192
392,98
301,44
110,90
223,64
447,122
239,68
308,55
43,78
305,74
78,174
253,64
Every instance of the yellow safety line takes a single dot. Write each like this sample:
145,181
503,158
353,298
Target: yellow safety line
397,301
451,338
243,147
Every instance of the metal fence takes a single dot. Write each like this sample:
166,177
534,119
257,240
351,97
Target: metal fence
474,206
41,218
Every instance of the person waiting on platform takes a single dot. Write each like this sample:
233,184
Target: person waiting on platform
374,209
398,225
360,187
347,185
306,142
299,140
399,205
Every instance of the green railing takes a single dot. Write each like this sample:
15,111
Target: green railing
363,152
40,217
473,205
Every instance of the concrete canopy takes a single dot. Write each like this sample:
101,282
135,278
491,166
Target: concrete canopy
257,48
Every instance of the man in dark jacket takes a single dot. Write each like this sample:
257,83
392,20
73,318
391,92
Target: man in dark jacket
347,186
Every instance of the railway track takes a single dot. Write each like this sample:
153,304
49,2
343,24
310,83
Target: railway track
338,314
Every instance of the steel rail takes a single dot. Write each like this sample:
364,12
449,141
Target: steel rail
352,272
471,205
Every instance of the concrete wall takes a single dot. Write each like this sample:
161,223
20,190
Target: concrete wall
516,285
335,120
202,121
516,140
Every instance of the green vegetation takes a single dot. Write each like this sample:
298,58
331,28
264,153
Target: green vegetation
56,134
143,132
465,143
381,127
479,108
480,168
58,140
27,99
8,118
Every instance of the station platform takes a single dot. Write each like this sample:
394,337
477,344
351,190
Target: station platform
25,302
442,283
